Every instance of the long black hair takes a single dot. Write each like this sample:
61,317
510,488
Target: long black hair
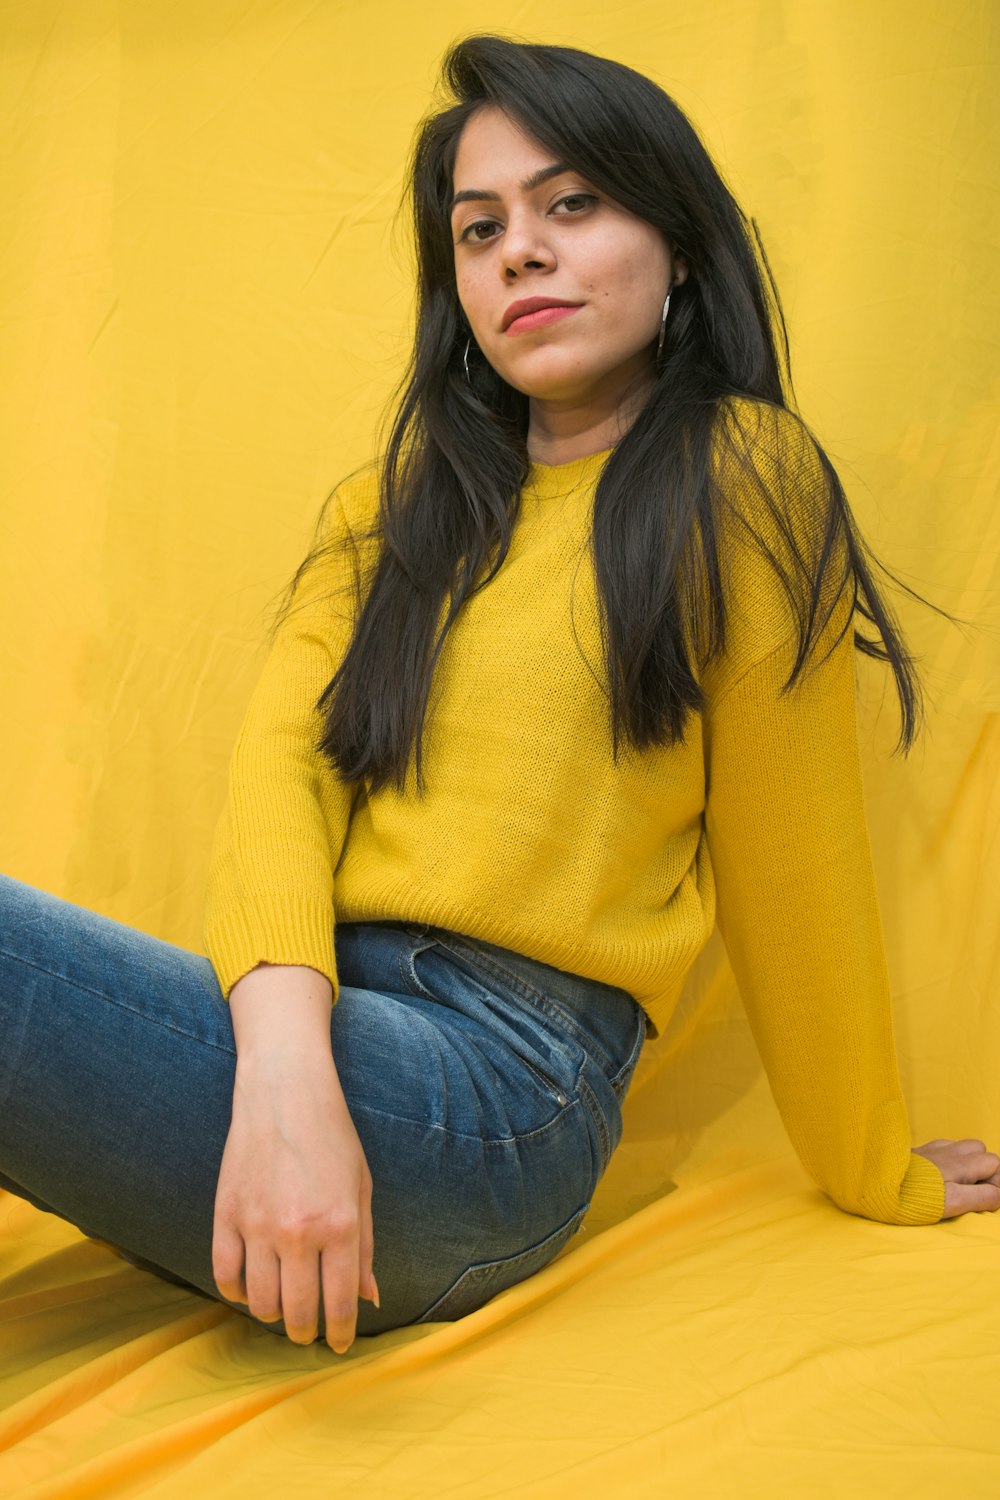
450,476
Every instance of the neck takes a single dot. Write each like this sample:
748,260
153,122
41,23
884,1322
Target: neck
560,431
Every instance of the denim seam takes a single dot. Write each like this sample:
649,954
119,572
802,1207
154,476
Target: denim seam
593,1106
505,1141
552,1008
405,978
85,989
480,1271
640,1039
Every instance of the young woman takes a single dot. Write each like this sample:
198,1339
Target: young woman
568,677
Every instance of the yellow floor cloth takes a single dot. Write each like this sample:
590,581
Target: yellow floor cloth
736,1334
204,309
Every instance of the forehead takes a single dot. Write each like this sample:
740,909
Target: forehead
493,145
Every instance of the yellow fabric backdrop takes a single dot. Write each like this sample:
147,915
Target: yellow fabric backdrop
205,302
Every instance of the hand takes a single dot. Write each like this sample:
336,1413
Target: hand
971,1175
294,1199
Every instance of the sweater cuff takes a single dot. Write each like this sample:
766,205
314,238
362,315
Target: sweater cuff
921,1194
285,931
918,1200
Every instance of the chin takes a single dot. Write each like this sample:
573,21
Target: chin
556,385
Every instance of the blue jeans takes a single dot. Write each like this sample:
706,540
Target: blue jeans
486,1089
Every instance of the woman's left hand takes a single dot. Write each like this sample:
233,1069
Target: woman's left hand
971,1175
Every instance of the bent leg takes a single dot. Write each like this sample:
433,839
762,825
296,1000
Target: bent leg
117,1064
117,1068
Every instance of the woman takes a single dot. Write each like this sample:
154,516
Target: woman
568,677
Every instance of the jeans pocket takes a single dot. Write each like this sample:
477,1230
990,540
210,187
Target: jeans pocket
407,965
484,1280
552,1062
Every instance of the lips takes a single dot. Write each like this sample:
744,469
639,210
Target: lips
533,304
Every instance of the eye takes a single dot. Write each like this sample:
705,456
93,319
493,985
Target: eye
469,236
469,230
580,197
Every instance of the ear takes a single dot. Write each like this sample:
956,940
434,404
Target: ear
680,266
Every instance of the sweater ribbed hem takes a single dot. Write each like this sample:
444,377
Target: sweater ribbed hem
640,970
285,930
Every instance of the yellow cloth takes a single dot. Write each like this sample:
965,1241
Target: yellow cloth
206,309
529,835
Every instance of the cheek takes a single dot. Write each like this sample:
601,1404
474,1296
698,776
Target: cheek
471,296
623,275
625,303
639,271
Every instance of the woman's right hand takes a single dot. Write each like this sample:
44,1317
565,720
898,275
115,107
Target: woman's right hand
971,1175
293,1201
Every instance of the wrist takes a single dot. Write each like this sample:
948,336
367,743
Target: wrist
279,1012
259,1072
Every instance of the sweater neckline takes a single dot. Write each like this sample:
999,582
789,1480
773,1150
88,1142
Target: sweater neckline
551,479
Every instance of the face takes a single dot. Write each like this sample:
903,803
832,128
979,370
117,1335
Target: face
558,238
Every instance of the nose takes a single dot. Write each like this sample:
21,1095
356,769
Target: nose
525,246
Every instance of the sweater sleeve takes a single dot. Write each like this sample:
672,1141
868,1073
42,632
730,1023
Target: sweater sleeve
269,896
797,907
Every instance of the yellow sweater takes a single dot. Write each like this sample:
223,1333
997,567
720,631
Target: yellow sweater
530,836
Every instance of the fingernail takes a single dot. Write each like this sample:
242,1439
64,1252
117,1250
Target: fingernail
375,1298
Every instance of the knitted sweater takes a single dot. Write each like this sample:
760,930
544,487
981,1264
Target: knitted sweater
530,836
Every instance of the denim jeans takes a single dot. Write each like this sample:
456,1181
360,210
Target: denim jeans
486,1089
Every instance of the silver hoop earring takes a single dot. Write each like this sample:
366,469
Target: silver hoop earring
465,358
663,327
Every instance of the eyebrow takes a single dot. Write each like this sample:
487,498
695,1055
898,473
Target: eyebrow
527,186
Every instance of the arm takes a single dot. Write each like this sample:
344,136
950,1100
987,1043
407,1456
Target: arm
269,896
293,1204
797,908
293,1219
